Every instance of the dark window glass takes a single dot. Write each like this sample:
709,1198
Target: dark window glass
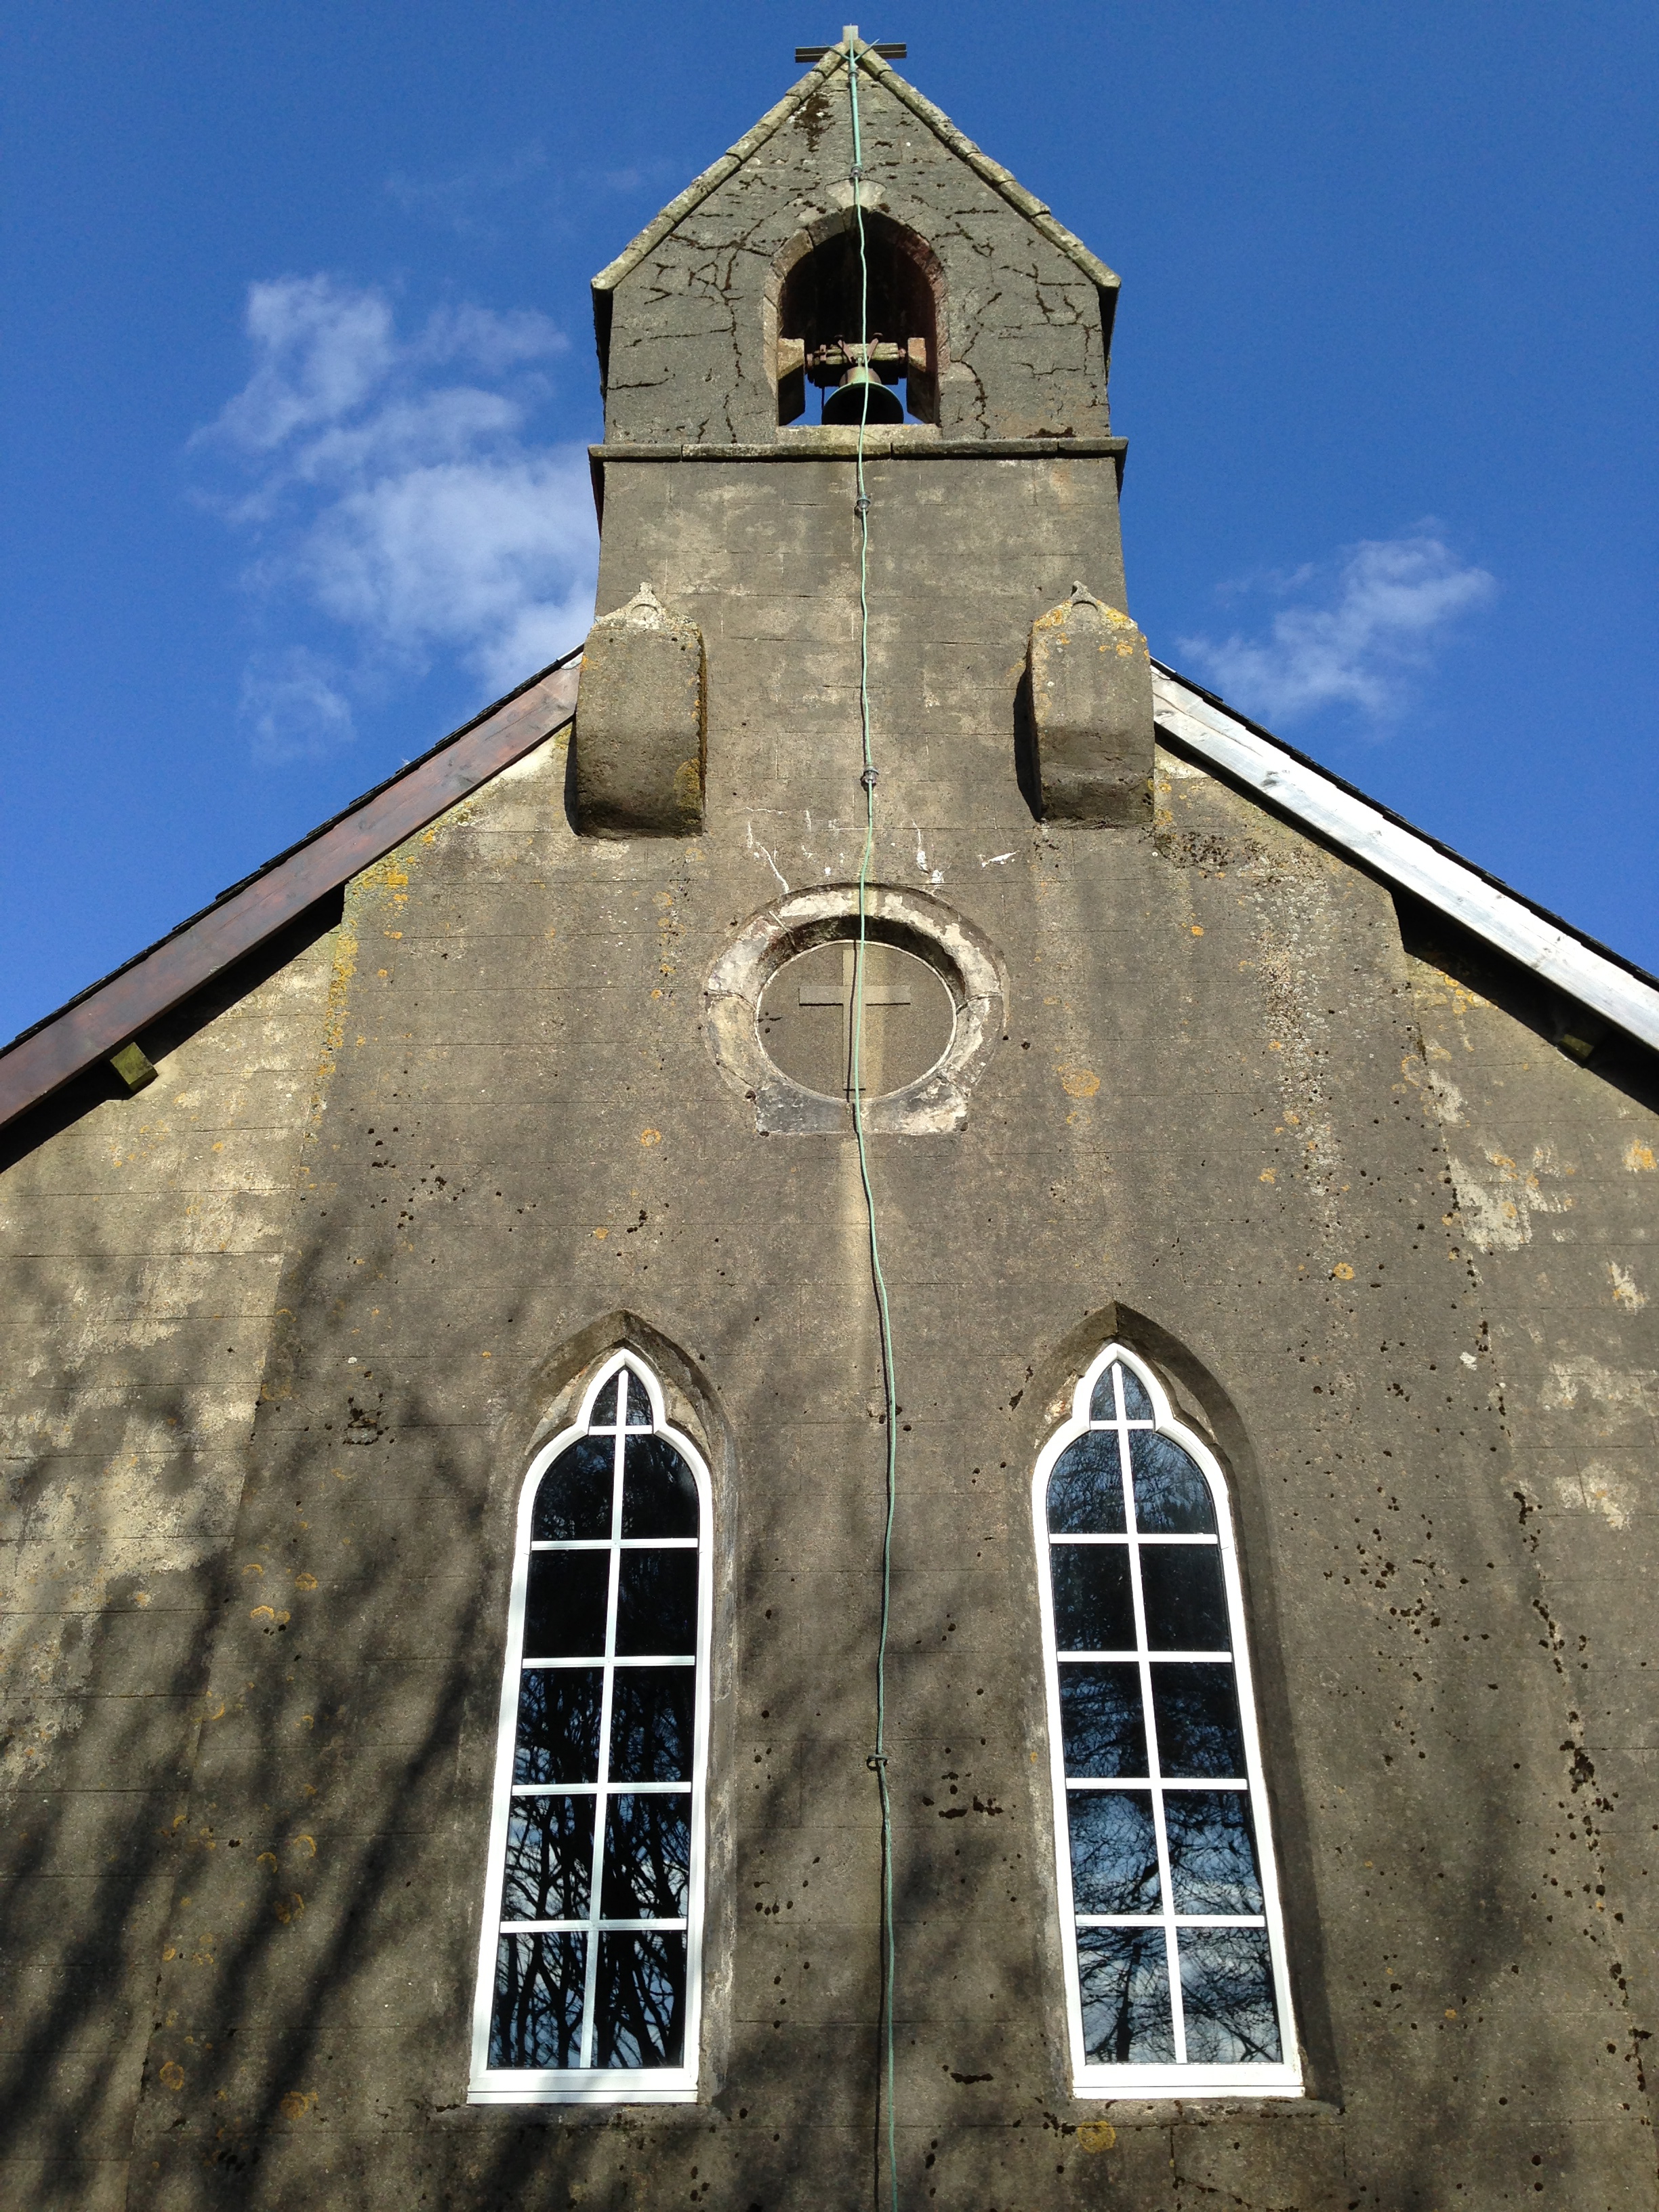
1093,1608
1171,1496
1195,1713
1212,1851
1188,1796
574,1499
647,1858
1085,1488
1124,1983
586,1528
605,1407
1114,1850
1186,1605
1137,1406
558,1733
565,1604
1100,1720
549,1859
639,2002
659,1493
651,1724
1227,1994
536,2016
657,1605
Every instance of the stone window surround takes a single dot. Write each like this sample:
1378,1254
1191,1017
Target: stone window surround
936,1103
898,238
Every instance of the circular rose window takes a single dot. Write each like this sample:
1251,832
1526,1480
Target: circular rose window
806,1018
781,1005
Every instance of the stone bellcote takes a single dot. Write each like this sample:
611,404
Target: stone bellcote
729,316
742,338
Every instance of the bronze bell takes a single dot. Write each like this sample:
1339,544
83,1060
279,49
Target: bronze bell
861,397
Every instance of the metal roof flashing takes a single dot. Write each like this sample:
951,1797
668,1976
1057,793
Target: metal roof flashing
1610,986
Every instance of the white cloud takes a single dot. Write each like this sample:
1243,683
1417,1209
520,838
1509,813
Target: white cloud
456,202
319,350
478,557
387,486
469,201
1366,627
292,708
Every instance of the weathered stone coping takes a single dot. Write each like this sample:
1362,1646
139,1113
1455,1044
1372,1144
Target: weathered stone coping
917,444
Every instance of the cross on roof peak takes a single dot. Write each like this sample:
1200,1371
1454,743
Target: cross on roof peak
849,38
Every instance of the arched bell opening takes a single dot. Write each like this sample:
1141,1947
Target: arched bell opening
871,349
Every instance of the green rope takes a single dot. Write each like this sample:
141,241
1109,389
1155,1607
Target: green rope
879,1759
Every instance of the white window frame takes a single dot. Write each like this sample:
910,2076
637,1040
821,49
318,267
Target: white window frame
1181,2079
658,2085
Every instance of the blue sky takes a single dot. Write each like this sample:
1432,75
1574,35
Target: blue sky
299,369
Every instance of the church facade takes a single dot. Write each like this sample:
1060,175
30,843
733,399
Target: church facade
862,1413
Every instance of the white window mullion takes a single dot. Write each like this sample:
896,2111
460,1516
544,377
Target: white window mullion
1166,1890
1172,1958
602,1802
1179,2075
504,2068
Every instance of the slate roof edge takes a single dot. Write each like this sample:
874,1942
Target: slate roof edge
99,1019
1589,972
1002,181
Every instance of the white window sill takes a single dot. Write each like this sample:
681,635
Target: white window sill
618,2089
1185,2082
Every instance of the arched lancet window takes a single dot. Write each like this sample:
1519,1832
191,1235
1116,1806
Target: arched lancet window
588,1970
1169,1918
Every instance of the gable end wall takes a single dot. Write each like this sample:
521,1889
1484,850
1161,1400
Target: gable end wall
1220,1123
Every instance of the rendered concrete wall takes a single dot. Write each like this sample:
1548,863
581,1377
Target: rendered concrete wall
763,557
1024,346
1556,1170
1209,1126
143,1240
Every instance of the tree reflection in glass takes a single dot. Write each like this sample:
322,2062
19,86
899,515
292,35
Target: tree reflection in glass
1227,1997
639,2001
1125,1984
595,1877
535,2019
1172,1946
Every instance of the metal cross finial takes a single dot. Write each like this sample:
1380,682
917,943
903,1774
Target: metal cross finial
886,53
